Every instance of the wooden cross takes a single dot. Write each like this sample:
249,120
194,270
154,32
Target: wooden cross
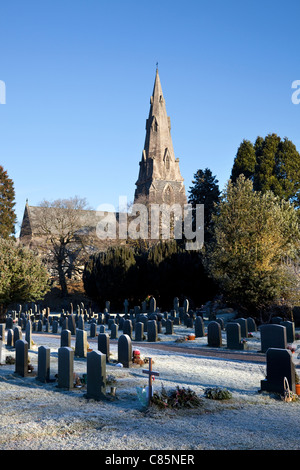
150,373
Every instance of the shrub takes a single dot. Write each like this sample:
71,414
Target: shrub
217,393
178,398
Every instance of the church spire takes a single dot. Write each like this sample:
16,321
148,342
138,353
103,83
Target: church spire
159,176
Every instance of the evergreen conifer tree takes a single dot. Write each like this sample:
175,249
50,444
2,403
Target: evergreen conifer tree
7,203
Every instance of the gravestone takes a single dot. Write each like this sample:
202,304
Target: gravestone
96,375
244,327
186,306
152,305
102,329
65,368
81,343
125,350
21,364
199,327
234,336
80,323
114,331
1,346
93,330
139,331
2,331
221,322
54,326
272,336
169,327
290,330
17,333
9,323
65,339
214,335
251,325
127,328
28,333
103,344
10,338
43,374
71,324
279,365
176,304
152,331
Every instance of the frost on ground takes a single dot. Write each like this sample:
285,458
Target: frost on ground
36,416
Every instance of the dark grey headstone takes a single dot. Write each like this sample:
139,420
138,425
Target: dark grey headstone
65,368
251,325
28,333
114,331
103,344
199,327
273,336
81,343
127,328
152,331
17,333
169,327
93,330
65,338
234,336
21,364
96,375
214,335
10,338
290,330
125,350
279,365
43,374
139,331
244,327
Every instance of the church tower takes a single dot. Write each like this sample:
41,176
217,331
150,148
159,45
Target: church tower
159,179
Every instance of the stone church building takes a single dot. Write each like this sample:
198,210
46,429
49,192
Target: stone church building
159,179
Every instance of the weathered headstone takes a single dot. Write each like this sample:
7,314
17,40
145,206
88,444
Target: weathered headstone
93,330
28,333
152,331
103,344
199,327
65,338
96,375
21,364
81,343
43,374
17,333
290,330
234,336
244,327
169,327
152,305
251,325
65,368
114,331
10,338
54,326
214,335
272,336
127,328
139,331
279,365
125,350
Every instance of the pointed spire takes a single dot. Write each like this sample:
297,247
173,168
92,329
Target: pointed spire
158,167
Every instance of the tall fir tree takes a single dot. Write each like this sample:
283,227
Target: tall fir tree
7,203
205,190
272,164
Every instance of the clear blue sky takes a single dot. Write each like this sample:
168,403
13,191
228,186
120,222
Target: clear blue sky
79,75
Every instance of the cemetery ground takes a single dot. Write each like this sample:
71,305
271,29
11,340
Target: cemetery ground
41,416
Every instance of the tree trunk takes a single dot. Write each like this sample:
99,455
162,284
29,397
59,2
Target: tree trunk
62,279
3,311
